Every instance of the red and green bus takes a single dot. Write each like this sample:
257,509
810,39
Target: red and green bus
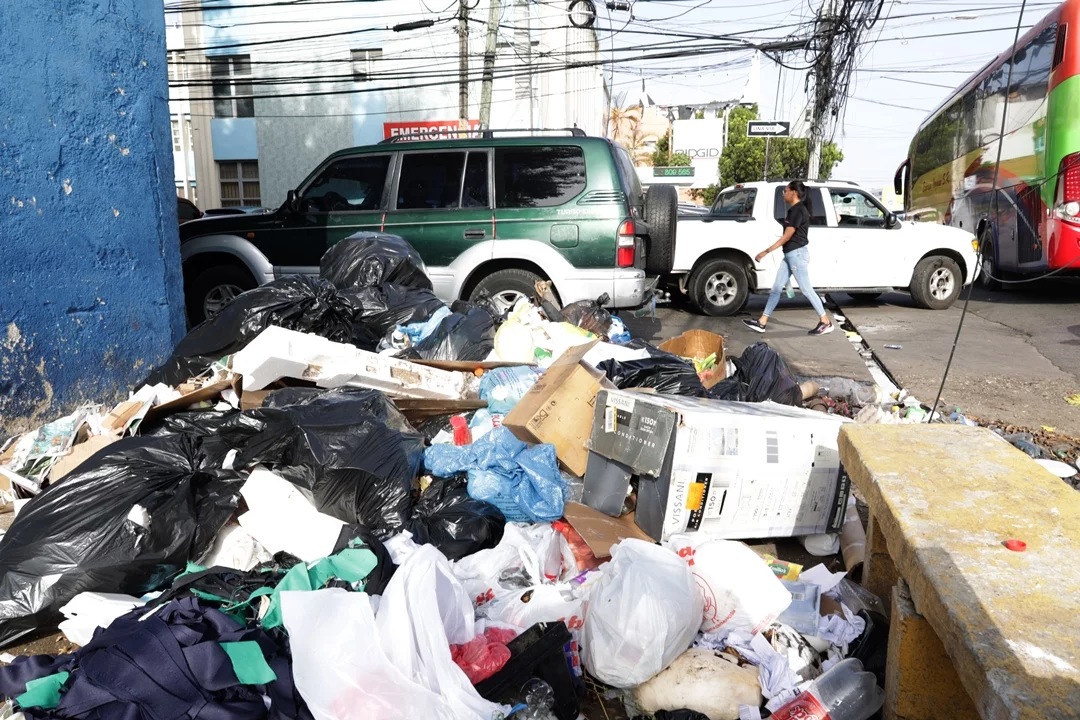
949,175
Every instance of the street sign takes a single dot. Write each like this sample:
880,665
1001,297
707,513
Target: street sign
768,128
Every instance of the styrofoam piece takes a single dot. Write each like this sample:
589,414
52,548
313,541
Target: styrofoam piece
88,611
280,518
1062,470
277,353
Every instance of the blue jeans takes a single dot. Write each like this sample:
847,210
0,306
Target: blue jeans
797,263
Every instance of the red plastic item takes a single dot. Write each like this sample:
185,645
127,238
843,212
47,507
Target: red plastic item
484,655
462,434
1016,545
585,558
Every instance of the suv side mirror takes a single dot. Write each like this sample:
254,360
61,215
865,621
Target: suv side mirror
891,221
291,203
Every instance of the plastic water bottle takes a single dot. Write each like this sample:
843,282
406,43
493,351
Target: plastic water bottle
845,692
788,290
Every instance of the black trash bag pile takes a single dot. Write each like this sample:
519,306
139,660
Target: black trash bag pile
295,303
457,524
589,315
665,372
127,520
467,334
350,448
760,375
369,259
172,664
384,307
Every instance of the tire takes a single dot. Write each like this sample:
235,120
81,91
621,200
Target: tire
936,283
989,266
503,288
212,286
721,279
661,213
864,296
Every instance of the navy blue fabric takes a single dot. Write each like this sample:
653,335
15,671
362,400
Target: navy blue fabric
169,666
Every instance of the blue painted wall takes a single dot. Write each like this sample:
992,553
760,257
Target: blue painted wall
90,285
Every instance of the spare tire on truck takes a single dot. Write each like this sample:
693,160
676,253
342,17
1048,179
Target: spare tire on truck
661,213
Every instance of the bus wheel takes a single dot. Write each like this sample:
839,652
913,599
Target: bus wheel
989,271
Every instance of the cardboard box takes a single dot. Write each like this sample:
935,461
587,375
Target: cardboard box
193,395
700,344
735,470
559,408
79,454
600,531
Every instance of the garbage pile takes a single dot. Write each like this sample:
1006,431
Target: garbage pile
342,498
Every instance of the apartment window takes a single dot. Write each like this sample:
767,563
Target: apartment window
177,69
230,76
239,183
363,63
176,135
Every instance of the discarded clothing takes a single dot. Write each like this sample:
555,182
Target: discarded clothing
185,660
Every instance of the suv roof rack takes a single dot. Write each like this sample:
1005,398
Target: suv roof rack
486,134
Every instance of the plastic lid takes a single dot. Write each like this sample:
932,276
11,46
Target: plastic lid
1016,545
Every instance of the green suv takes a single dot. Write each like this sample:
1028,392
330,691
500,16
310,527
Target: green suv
489,216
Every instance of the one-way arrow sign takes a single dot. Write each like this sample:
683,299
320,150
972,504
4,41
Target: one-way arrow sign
768,128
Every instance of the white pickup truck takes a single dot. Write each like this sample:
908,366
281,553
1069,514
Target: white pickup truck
856,246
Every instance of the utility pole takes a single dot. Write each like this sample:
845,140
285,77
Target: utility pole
823,79
463,65
523,40
494,13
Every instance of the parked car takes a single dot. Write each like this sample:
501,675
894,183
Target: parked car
214,212
187,210
856,246
490,215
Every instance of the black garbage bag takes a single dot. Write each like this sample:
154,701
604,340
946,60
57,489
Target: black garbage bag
666,373
457,524
367,259
468,336
127,520
350,448
295,302
383,307
760,375
589,315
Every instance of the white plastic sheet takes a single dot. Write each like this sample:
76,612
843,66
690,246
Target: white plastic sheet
88,611
349,663
280,517
643,613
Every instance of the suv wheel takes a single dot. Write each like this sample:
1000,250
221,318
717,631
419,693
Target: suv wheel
504,288
936,283
661,213
719,287
213,289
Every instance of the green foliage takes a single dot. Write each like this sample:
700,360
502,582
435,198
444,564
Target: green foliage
743,158
678,160
660,155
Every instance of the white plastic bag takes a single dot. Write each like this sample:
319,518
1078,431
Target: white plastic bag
739,591
543,603
643,612
88,611
526,556
235,548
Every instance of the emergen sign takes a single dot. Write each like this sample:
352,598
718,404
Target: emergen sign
428,129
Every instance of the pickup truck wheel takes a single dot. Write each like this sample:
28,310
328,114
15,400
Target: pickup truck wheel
936,283
661,213
504,288
719,287
215,288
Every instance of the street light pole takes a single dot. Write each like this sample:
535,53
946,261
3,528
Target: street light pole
494,12
463,65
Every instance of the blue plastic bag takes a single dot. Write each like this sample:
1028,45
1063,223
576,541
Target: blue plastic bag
523,482
504,387
418,332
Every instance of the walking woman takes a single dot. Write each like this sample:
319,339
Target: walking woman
796,261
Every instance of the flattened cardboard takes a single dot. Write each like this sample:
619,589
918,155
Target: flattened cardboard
700,344
465,365
79,454
207,392
601,531
559,408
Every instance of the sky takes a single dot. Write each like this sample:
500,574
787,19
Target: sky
901,77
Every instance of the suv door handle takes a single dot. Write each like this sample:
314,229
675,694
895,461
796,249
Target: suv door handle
475,234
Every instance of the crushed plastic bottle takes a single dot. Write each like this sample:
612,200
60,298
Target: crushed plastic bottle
845,692
539,701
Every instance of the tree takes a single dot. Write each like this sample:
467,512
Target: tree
743,158
663,157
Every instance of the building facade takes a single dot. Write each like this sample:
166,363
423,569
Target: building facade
271,91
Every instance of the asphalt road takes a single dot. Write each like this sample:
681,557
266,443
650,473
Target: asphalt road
1018,355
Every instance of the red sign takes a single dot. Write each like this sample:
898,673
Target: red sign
428,129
